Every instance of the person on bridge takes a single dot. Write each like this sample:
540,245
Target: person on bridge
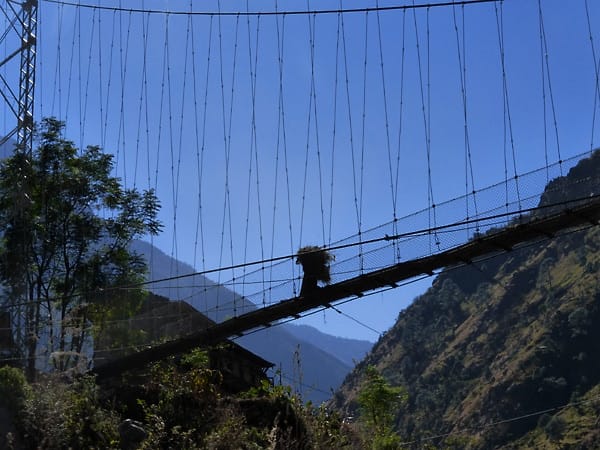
315,265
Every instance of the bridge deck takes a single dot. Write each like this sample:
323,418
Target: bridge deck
501,241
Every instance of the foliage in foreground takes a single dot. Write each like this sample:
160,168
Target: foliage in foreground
178,405
52,414
13,388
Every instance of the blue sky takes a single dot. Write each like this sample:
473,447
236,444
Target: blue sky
368,126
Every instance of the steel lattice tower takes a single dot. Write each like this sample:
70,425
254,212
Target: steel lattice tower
19,41
21,19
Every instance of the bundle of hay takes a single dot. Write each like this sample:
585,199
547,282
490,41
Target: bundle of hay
315,264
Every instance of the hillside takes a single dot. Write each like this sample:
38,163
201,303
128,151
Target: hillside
348,351
277,344
502,353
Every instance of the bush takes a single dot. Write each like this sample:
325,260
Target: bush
555,427
379,403
59,415
579,321
387,442
326,428
232,431
180,406
13,388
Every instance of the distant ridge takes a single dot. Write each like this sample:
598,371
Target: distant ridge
349,351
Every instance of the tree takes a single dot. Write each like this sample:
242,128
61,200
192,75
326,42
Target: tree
67,224
315,265
379,403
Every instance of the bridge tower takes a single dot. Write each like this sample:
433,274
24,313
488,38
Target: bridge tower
20,38
17,68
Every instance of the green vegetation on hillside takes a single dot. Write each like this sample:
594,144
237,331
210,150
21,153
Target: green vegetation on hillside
502,353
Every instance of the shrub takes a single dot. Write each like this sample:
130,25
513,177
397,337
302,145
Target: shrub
555,427
13,388
379,404
60,415
180,406
579,321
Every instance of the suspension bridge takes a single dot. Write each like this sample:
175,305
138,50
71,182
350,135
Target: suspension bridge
586,213
264,130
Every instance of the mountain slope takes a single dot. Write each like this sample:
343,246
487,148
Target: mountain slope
321,369
348,351
308,369
493,351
